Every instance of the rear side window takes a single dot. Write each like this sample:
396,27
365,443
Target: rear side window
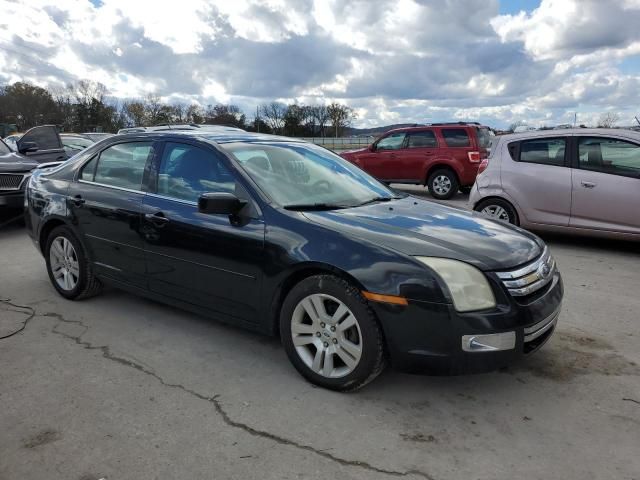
122,165
545,151
45,137
422,139
484,137
456,137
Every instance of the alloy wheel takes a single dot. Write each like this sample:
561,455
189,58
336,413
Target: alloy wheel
326,335
64,263
442,184
497,212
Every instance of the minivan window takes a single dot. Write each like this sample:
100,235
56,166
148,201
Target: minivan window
545,151
187,171
609,155
122,165
422,139
456,137
392,142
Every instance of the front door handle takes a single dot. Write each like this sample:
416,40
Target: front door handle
158,219
78,200
587,184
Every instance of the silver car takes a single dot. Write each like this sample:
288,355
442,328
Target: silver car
577,180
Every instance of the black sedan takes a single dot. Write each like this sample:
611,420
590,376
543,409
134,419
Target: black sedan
286,238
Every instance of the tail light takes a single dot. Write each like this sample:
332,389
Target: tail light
483,165
474,157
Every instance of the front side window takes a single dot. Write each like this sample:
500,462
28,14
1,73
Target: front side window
609,155
392,142
424,139
304,175
456,137
187,171
45,137
546,151
122,165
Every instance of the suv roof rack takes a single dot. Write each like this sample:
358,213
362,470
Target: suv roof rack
437,124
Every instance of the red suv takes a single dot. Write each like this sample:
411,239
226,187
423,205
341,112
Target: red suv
442,156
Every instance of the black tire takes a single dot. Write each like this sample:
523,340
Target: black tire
435,187
506,207
87,285
466,190
372,360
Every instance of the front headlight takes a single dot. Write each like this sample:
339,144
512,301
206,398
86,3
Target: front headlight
468,286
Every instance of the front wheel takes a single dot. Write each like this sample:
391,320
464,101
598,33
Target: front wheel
330,334
68,267
443,184
498,209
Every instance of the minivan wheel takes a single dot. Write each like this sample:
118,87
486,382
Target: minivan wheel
442,184
331,334
68,267
498,209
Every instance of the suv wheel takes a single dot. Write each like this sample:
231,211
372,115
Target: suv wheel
330,334
443,184
498,209
68,267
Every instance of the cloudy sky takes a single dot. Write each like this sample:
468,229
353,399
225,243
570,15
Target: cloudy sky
391,60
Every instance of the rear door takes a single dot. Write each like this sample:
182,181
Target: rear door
606,185
106,203
537,177
47,141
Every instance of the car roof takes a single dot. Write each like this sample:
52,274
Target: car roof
601,132
222,136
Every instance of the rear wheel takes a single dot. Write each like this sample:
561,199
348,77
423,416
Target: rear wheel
442,184
330,334
498,209
68,267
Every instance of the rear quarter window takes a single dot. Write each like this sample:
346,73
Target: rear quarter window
456,137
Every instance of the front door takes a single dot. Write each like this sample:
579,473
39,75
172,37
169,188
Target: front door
46,140
538,179
204,259
606,185
106,203
380,162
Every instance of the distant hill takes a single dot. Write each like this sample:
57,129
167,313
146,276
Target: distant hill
376,130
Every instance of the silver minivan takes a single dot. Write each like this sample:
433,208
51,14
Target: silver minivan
578,180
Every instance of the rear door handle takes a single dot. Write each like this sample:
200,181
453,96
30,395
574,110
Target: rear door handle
588,184
158,219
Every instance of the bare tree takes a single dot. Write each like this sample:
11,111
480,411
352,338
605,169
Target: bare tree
321,117
516,124
341,116
195,114
608,120
273,115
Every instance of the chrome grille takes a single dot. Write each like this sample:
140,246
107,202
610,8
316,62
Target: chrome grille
530,278
10,181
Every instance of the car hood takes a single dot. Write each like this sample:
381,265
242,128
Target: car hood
14,162
354,152
417,227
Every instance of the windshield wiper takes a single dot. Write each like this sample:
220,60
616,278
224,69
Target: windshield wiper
377,199
314,206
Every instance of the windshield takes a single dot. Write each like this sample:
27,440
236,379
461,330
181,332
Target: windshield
76,143
3,148
484,137
298,174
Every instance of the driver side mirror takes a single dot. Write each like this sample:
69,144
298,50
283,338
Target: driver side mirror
27,147
220,203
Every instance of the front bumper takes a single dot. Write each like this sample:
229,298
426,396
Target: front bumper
426,337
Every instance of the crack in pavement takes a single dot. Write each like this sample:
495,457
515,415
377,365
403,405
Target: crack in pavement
216,402
29,311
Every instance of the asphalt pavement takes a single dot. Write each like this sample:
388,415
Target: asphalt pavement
119,387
